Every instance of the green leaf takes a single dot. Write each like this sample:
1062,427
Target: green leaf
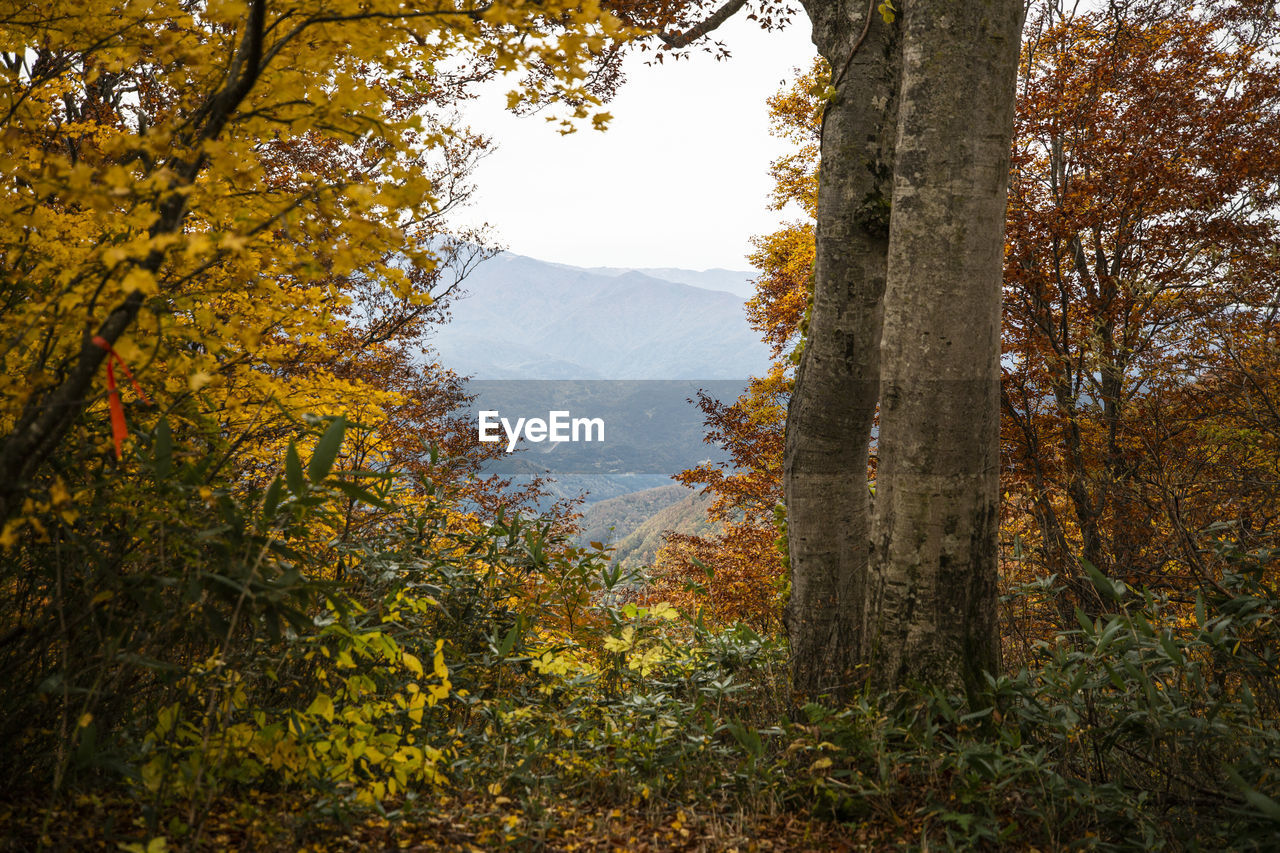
1108,588
709,571
1257,799
272,500
163,449
360,495
293,470
1085,623
509,641
748,738
1115,677
1171,648
326,451
1144,627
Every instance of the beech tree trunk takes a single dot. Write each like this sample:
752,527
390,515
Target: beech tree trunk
907,590
931,606
831,412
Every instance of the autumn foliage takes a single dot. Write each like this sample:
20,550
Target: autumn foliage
1141,283
265,598
1140,351
739,574
223,233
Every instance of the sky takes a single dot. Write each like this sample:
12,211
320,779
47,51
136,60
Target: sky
680,178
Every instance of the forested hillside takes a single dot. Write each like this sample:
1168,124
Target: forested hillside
985,556
610,521
639,548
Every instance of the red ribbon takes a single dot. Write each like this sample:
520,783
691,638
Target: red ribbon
118,428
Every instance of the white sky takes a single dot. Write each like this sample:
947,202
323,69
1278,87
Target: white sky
680,178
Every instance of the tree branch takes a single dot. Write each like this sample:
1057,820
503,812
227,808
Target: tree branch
718,17
45,419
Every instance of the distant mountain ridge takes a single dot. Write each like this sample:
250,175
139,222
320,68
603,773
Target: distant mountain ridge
737,282
528,319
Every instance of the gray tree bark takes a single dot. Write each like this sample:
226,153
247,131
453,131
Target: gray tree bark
830,417
931,605
911,320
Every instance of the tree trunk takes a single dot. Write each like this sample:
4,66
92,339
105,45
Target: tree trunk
931,603
832,408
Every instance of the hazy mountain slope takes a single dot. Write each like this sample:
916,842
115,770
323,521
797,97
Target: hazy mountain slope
616,518
526,319
688,516
592,488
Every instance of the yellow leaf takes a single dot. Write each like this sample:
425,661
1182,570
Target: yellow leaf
663,610
198,380
438,665
9,536
321,706
139,279
623,642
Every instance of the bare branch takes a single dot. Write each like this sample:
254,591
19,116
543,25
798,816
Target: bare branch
718,17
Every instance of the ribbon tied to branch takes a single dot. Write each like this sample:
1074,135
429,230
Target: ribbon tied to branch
119,430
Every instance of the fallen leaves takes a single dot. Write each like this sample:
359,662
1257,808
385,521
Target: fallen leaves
262,821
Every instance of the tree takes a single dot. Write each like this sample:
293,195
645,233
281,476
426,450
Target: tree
905,314
1138,412
189,181
733,574
931,611
833,405
1141,268
243,204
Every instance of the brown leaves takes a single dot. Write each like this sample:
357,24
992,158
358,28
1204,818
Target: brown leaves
264,821
1140,256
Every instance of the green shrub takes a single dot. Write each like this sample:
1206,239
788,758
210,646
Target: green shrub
1139,729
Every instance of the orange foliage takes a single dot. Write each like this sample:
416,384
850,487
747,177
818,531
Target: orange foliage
738,574
735,576
1141,277
1141,353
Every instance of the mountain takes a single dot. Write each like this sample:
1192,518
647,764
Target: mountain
737,282
613,520
688,515
591,488
529,319
643,426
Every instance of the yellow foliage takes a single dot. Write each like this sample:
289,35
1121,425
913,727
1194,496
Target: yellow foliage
200,186
365,739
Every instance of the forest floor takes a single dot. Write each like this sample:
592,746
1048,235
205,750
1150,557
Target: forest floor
266,822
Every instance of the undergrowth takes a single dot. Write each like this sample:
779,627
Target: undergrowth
490,684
